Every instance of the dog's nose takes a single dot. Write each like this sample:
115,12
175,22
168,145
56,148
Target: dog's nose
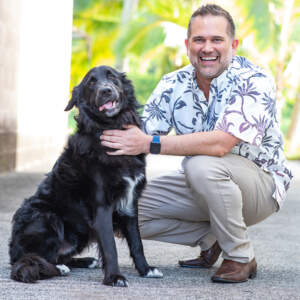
106,91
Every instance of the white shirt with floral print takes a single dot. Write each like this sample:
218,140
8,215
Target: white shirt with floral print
242,102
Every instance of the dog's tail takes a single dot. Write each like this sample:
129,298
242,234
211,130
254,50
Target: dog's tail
31,267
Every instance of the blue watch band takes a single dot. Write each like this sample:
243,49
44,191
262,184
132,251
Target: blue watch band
156,139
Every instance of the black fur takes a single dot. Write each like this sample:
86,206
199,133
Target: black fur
84,198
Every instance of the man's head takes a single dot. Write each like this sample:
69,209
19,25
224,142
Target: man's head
211,42
214,10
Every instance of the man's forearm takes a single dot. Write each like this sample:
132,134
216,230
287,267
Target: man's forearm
133,142
215,143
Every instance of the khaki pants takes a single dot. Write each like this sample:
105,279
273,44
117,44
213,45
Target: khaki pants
216,198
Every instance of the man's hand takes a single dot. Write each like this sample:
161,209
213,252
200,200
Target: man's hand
131,141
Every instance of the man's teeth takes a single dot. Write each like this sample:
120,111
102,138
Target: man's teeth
208,58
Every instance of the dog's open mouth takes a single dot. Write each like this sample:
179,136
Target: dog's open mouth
108,105
110,108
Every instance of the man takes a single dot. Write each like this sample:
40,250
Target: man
222,108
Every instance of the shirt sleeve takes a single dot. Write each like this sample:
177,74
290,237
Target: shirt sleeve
250,109
156,116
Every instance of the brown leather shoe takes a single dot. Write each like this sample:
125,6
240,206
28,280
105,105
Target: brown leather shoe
235,272
206,259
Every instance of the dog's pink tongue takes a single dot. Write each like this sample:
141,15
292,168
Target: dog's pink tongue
107,105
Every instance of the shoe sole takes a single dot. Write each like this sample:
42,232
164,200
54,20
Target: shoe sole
223,280
194,267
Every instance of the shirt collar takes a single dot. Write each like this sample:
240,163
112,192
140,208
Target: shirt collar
220,80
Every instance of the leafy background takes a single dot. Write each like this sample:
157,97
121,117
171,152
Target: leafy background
146,40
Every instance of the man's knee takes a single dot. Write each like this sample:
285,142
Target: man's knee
200,170
210,178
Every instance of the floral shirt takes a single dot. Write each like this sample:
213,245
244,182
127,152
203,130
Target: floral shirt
242,102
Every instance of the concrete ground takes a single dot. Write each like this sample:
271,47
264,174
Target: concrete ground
276,242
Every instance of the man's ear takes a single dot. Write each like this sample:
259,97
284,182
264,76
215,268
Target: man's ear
186,42
74,101
235,44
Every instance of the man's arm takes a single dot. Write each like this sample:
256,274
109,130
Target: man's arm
133,142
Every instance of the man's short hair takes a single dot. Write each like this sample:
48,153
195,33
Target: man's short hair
214,10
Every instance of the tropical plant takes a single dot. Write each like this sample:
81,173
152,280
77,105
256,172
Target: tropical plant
271,34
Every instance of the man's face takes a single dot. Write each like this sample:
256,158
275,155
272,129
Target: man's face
209,47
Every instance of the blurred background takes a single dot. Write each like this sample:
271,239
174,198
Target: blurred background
146,40
47,46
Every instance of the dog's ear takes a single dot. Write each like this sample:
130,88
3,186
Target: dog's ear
128,89
74,101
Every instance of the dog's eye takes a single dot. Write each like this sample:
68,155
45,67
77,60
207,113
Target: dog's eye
115,81
112,78
92,81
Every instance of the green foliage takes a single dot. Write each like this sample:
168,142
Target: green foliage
145,82
144,85
286,115
140,36
100,39
295,35
96,26
80,6
258,14
175,11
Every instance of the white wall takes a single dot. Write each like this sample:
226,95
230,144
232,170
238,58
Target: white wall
43,75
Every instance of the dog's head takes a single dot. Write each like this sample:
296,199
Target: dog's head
105,92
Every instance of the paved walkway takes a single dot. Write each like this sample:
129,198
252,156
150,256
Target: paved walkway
276,242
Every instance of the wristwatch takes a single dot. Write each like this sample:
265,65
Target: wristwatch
155,145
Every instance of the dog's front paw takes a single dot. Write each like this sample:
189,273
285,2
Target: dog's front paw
116,280
94,263
153,273
63,269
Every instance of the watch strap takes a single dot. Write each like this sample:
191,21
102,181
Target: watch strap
155,145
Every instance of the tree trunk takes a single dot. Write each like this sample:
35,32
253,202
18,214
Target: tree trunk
129,6
284,36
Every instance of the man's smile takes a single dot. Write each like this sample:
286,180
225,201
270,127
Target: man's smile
208,61
210,58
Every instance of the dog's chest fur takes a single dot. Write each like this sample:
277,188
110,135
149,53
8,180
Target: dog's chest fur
118,177
126,204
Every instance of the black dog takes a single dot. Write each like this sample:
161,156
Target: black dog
88,194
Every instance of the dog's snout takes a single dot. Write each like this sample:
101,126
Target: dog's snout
106,91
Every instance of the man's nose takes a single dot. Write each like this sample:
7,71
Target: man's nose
207,47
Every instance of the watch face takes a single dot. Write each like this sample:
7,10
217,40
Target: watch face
155,148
